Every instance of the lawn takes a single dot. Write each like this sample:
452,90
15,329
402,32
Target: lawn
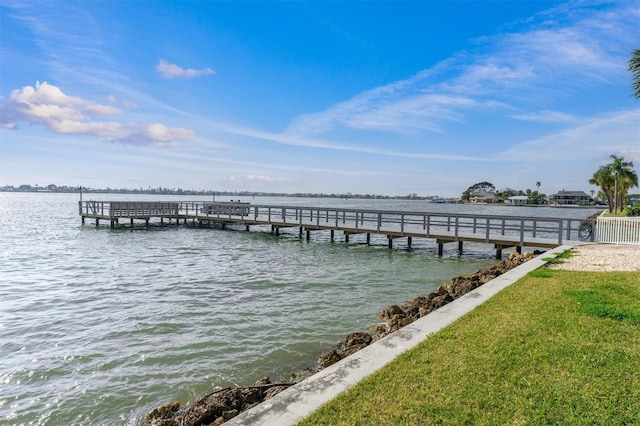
556,347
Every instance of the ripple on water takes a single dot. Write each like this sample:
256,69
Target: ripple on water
98,326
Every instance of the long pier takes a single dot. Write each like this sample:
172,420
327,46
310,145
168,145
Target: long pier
500,230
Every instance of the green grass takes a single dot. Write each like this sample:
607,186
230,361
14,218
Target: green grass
559,258
559,348
609,300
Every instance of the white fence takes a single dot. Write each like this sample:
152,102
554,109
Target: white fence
618,230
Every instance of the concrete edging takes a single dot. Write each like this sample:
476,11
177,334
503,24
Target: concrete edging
297,402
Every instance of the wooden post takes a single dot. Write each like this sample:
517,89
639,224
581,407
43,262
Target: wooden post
277,231
409,242
97,221
460,246
519,249
390,241
368,238
131,221
308,235
346,237
498,252
247,228
332,235
440,248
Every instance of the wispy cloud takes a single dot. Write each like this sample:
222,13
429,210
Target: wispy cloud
243,179
286,138
168,70
558,51
546,117
47,105
585,141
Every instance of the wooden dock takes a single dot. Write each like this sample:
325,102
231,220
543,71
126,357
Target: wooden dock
499,230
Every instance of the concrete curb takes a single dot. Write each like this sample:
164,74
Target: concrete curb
300,400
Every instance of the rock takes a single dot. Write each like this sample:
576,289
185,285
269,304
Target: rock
271,392
229,414
216,422
353,343
424,311
440,301
263,381
252,395
209,408
399,321
419,303
387,313
299,375
163,415
356,339
328,358
378,331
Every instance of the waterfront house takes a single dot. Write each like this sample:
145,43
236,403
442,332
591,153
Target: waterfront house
518,200
568,198
484,197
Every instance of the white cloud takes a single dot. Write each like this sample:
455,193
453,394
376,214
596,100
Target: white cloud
159,135
588,140
545,117
254,178
167,70
47,105
538,64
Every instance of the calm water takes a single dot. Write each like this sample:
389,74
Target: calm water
98,326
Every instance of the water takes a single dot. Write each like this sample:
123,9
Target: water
99,326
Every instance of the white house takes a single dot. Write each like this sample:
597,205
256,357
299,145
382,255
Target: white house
518,200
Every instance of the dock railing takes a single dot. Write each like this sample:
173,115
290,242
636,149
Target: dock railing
395,223
118,209
411,223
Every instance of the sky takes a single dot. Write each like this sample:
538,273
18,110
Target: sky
361,97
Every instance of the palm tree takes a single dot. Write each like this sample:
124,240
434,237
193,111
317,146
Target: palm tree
538,185
625,183
634,67
603,177
625,178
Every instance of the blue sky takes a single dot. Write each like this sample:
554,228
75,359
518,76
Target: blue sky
375,97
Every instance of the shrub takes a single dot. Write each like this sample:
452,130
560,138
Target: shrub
632,211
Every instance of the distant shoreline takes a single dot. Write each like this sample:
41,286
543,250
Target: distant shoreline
435,200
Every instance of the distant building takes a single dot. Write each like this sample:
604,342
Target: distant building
575,198
518,200
484,197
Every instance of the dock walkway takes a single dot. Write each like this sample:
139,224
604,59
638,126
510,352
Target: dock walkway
500,230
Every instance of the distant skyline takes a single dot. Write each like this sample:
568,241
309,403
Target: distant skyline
366,97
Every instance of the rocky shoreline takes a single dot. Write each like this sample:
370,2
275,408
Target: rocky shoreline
219,406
